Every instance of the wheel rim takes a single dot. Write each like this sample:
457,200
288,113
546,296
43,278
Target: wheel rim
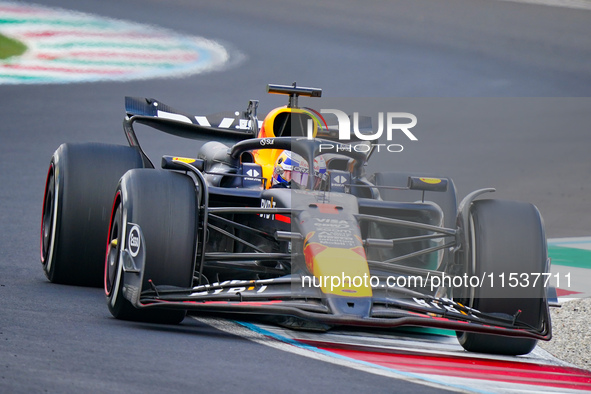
472,260
47,217
113,248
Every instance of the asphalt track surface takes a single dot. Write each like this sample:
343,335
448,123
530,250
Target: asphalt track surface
62,339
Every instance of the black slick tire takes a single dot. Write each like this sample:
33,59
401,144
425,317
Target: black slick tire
79,189
507,237
163,205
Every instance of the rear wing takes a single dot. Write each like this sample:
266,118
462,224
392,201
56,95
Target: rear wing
153,113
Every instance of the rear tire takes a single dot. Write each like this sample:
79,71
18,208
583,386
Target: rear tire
163,205
506,237
78,195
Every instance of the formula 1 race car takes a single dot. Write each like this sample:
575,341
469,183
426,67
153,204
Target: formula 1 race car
278,219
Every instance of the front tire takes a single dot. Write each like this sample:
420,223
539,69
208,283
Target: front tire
78,195
506,237
163,205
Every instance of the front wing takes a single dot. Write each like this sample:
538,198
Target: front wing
276,297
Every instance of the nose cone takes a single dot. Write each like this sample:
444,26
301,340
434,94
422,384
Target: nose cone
339,271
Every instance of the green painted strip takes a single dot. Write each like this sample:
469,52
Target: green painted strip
56,22
112,63
427,330
10,47
24,77
570,257
112,44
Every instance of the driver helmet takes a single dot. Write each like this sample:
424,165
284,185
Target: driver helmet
291,170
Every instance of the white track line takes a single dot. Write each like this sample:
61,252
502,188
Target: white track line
575,4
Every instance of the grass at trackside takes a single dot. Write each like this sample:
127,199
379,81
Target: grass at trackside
10,47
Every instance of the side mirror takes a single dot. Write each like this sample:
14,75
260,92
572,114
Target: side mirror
427,184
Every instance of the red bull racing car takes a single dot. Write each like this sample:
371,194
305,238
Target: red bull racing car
277,218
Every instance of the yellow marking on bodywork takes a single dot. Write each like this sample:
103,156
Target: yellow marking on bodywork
184,159
342,263
432,181
266,158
